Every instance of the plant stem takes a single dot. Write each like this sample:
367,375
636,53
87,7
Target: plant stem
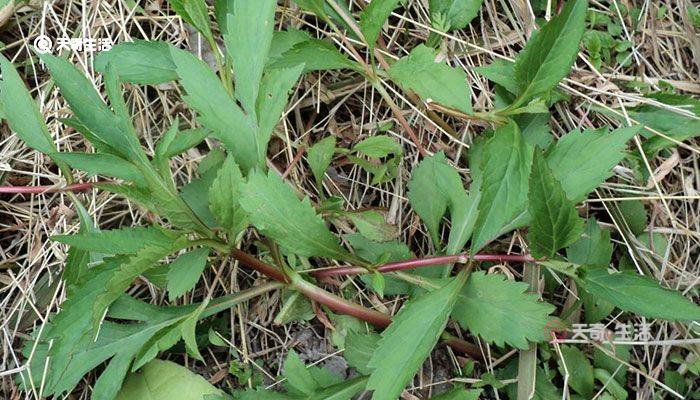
263,268
226,302
46,188
527,359
425,262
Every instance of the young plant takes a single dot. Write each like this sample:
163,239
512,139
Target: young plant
520,178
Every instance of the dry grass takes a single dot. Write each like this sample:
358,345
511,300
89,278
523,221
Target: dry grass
342,104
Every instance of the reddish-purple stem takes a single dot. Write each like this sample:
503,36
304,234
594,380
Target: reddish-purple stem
425,262
76,187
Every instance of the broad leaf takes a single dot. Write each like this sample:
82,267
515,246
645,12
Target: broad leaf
102,164
185,271
319,157
359,349
315,55
579,369
224,197
501,311
118,241
555,222
92,112
378,146
432,81
283,41
579,174
21,111
457,13
594,248
276,211
373,17
505,165
183,141
140,61
409,339
500,72
161,379
373,226
217,110
248,39
550,52
638,294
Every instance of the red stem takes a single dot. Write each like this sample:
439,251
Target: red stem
424,262
76,187
259,266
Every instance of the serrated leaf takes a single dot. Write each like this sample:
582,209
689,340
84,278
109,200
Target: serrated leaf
501,311
183,141
505,165
319,157
217,111
118,241
678,126
434,186
373,17
359,349
550,52
378,146
283,41
594,248
185,271
638,294
316,55
276,211
373,226
102,164
77,261
457,12
409,339
21,111
500,72
223,198
141,61
555,222
579,174
91,110
579,369
248,39
274,91
161,379
432,81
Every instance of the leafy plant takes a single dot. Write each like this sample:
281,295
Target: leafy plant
520,178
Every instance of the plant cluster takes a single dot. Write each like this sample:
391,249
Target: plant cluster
519,178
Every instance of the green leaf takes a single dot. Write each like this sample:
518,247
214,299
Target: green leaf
316,55
550,52
373,226
634,215
409,339
459,393
359,349
21,111
185,271
118,241
373,17
594,248
276,211
274,92
248,39
319,157
217,111
579,174
458,12
378,146
555,222
638,294
161,379
375,252
434,186
613,366
91,110
298,377
223,198
535,129
141,61
501,311
102,164
505,165
283,41
183,141
579,369
500,72
432,81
